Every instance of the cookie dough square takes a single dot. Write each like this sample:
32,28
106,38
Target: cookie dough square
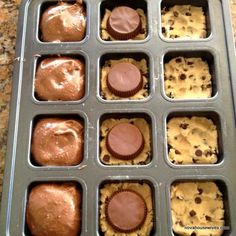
107,37
187,78
197,208
141,188
141,65
143,158
192,140
183,22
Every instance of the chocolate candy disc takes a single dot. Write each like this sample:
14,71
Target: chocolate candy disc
125,141
126,211
124,79
124,23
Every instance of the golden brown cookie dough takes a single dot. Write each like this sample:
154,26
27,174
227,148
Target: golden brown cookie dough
106,36
144,190
141,65
192,140
142,158
187,78
197,204
184,22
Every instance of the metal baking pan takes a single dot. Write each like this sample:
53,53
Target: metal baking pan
159,173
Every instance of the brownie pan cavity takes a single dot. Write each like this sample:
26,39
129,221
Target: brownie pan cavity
63,21
54,208
123,20
60,78
118,65
58,140
139,219
194,138
190,75
199,207
185,20
125,139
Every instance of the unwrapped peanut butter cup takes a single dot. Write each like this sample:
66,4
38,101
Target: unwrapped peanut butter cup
125,141
124,79
126,211
124,23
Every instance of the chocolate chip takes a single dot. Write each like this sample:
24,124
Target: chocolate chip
182,76
178,60
163,30
142,31
208,86
176,36
189,63
200,191
209,153
195,146
181,223
106,158
198,200
177,152
180,162
208,218
184,126
188,14
203,77
192,213
176,14
193,234
198,153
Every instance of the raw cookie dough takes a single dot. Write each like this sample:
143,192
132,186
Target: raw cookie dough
184,22
142,65
187,78
144,190
142,158
192,140
106,36
197,204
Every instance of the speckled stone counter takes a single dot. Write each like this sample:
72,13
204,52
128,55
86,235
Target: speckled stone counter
8,21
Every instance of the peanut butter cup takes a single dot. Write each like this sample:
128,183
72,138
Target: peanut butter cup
124,23
63,22
124,79
125,141
57,142
54,209
60,78
126,211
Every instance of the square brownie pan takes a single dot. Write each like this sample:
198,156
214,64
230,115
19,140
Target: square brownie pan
217,49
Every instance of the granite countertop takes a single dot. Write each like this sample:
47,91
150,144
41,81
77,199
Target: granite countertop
8,21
